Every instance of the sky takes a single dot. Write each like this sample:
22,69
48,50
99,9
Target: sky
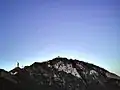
39,30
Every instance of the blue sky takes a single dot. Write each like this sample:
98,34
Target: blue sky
38,30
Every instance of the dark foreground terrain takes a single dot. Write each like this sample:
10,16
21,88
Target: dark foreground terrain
59,74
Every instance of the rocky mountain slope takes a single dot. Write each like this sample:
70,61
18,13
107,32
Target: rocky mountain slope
59,74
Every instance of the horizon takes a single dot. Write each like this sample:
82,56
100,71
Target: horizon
39,30
21,66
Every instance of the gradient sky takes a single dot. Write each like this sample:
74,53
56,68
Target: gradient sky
38,30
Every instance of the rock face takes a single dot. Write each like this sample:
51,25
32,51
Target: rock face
59,74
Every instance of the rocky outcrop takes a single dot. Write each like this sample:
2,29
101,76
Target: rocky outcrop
62,74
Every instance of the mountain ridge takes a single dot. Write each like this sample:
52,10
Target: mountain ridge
62,74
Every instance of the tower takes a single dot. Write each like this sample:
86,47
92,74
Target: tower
17,64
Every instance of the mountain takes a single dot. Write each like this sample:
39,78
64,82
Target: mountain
59,74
